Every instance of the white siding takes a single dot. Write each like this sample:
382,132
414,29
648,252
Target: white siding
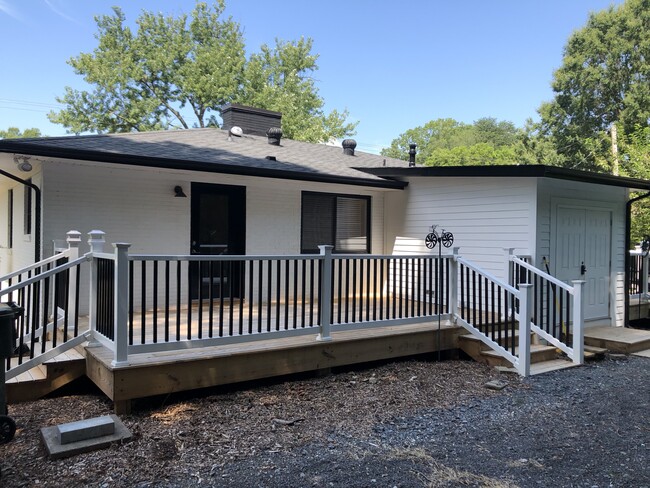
137,205
22,252
552,193
485,215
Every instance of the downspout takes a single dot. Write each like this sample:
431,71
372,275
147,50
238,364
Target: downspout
37,224
628,227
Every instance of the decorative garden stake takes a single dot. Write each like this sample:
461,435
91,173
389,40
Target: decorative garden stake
431,240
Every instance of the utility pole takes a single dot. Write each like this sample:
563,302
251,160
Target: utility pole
613,132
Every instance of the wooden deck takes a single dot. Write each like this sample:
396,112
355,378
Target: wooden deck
166,372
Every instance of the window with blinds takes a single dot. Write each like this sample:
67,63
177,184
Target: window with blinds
342,221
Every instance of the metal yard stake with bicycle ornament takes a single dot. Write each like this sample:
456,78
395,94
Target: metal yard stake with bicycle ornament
432,238
445,239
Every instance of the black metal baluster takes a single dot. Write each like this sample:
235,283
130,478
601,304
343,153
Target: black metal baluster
178,300
143,300
155,300
167,298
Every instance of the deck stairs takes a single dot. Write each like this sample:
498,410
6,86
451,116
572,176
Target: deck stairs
544,358
47,377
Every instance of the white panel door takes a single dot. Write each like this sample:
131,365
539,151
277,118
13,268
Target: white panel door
583,244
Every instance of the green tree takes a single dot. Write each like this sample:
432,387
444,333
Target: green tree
279,79
447,142
143,80
15,133
602,89
180,72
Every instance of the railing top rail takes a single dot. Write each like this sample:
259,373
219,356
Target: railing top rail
250,257
489,276
542,274
42,262
636,252
103,255
45,274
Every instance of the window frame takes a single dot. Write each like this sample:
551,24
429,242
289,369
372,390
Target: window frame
335,197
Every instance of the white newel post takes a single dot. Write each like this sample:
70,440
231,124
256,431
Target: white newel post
96,241
453,284
525,300
121,303
74,241
644,274
325,307
578,321
508,252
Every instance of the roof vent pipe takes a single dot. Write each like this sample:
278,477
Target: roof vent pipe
348,146
412,153
274,135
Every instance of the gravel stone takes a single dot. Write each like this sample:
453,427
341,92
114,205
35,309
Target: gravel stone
405,424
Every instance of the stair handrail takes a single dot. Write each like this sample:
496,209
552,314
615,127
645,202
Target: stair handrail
543,274
31,267
575,353
45,274
488,275
522,361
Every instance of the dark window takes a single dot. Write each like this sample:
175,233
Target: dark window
28,208
342,221
10,219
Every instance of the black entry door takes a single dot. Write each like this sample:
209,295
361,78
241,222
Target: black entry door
218,227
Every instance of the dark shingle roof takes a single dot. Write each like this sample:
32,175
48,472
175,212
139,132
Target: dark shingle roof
213,150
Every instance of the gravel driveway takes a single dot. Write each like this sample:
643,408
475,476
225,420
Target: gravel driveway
404,424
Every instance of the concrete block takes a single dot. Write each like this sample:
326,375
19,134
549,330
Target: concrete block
85,429
56,450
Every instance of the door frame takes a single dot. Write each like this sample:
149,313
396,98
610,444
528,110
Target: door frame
587,205
236,213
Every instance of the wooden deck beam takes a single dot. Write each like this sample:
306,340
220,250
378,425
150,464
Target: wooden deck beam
162,373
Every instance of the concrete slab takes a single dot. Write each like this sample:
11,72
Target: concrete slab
618,339
56,450
643,354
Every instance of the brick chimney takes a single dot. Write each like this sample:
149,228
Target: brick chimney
252,120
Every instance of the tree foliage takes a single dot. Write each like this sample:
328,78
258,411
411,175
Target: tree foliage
604,80
447,142
279,78
180,72
15,133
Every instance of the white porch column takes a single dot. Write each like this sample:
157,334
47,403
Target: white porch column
644,274
578,321
453,284
96,242
74,241
121,332
325,307
525,300
508,252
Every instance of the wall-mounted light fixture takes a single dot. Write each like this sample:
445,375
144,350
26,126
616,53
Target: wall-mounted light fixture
178,192
23,163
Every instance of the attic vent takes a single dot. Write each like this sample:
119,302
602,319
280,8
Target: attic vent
274,134
412,153
348,146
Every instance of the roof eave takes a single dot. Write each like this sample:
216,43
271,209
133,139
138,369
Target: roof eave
526,171
189,165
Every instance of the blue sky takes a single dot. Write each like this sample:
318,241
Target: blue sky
393,65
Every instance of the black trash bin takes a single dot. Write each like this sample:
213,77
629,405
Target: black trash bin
9,312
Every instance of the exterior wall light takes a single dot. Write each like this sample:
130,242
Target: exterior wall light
178,192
